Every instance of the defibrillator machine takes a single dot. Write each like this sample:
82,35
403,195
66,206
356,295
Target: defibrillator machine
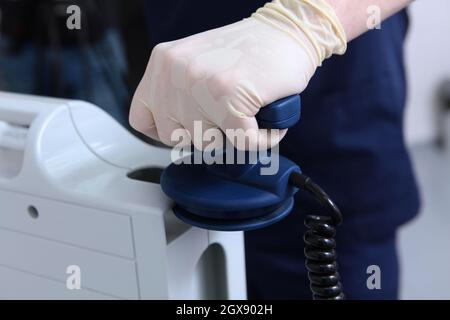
82,214
88,211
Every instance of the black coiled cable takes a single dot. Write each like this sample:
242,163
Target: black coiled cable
320,245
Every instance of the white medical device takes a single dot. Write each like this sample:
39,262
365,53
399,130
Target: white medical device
78,222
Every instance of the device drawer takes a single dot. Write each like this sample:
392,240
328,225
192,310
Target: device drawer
98,272
17,285
84,227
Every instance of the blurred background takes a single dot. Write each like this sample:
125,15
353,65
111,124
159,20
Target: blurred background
105,61
424,243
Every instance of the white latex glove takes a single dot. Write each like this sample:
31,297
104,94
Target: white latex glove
223,77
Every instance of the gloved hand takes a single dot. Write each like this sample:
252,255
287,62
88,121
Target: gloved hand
223,77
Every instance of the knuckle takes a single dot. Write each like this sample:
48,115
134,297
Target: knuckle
160,48
166,138
223,83
195,72
136,123
173,138
136,118
170,52
174,54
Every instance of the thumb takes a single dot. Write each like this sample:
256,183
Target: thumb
245,134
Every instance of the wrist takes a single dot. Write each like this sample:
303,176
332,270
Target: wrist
353,15
312,23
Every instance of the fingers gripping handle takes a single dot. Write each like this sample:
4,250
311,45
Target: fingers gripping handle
281,114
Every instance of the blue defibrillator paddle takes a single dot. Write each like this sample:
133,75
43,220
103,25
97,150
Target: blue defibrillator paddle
238,197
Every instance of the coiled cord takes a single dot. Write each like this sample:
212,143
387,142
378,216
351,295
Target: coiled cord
320,245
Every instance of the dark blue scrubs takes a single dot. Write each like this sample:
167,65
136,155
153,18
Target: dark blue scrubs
350,140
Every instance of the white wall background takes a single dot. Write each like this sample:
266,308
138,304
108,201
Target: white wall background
428,62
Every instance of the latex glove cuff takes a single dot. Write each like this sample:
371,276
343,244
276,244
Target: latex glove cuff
313,19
